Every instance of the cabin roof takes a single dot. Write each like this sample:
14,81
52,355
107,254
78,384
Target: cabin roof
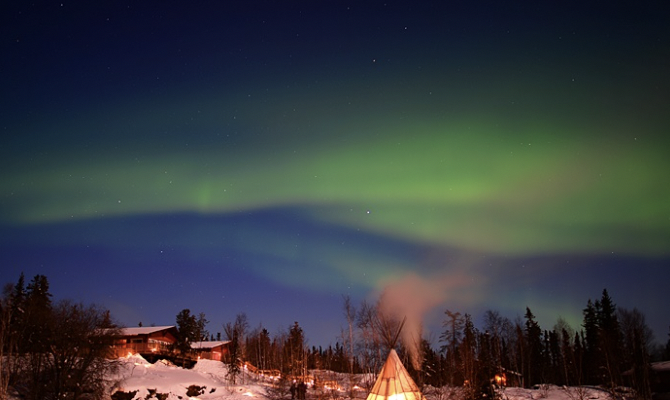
145,330
208,345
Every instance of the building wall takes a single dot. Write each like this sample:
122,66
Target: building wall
157,342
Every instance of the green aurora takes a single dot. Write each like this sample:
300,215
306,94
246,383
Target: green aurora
495,155
488,184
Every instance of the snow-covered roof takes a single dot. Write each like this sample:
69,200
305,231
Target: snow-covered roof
144,330
208,345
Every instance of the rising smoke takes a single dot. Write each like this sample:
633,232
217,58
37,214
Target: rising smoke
411,296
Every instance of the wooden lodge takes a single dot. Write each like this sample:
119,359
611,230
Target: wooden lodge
156,342
212,350
146,341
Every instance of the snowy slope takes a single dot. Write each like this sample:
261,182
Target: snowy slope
138,375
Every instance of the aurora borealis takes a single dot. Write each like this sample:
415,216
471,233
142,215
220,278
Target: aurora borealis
269,158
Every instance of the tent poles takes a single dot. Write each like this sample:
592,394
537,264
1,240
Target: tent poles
395,338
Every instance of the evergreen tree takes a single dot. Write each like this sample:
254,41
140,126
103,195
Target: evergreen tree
468,357
533,340
36,316
295,351
590,343
187,326
431,367
609,335
263,347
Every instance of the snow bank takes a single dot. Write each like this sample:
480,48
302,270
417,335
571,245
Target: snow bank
139,375
136,374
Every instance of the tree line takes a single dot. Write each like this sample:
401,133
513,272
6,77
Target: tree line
613,347
53,350
63,349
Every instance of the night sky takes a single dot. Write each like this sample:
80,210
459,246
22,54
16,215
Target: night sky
270,157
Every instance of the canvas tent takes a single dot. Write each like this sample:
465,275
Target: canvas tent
394,382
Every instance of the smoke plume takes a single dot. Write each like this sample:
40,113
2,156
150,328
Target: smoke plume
411,296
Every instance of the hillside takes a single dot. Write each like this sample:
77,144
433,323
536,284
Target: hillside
170,382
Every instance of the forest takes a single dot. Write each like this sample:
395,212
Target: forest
61,349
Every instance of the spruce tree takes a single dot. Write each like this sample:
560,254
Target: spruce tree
37,316
590,343
187,326
533,339
609,340
295,349
263,349
468,356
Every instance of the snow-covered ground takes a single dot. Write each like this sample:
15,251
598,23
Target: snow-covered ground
551,392
139,375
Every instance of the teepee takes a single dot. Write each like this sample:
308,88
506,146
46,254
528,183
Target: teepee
394,382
